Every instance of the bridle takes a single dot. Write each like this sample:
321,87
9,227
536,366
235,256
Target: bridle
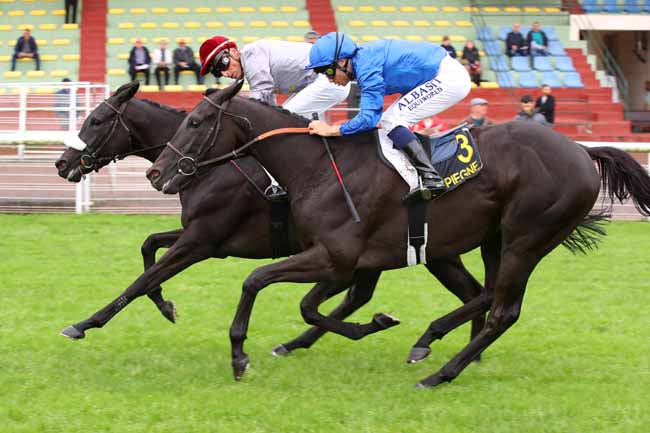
192,164
92,161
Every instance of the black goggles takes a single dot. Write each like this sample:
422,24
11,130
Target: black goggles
220,64
330,70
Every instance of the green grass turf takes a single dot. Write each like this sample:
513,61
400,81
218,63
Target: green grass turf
577,361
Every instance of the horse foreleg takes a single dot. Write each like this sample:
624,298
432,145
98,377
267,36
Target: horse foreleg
358,295
181,255
311,265
149,247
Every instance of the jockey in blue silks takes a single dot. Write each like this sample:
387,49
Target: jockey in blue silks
429,80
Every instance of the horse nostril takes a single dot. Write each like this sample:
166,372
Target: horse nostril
153,174
60,164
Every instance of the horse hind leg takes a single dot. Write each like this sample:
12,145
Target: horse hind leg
358,295
511,283
354,331
477,299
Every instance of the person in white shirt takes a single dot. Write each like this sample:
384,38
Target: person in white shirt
162,59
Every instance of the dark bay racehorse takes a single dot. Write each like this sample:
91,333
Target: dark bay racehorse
223,214
537,187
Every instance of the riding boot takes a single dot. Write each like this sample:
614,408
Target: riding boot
432,183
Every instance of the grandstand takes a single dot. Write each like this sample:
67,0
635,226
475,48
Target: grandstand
97,49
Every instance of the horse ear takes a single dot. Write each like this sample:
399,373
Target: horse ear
230,91
127,91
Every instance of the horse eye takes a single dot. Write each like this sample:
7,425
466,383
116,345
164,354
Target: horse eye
194,123
95,121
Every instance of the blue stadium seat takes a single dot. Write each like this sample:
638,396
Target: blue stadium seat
524,30
646,6
542,63
632,7
590,6
572,79
503,32
484,34
528,80
555,48
550,33
551,79
499,63
505,79
564,64
520,64
492,48
611,6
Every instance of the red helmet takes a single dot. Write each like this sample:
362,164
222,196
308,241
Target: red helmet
210,48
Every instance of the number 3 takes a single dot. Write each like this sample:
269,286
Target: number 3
464,145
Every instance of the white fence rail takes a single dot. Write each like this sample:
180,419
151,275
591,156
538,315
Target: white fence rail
46,111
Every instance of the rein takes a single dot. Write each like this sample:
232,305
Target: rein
235,153
90,160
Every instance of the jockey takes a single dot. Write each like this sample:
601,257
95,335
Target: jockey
428,79
271,66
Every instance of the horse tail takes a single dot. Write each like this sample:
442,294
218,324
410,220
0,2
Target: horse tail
589,232
622,176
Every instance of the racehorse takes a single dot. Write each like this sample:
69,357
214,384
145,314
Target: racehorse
224,213
537,186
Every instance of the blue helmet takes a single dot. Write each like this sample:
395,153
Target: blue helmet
330,48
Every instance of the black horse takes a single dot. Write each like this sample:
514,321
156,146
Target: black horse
224,214
537,187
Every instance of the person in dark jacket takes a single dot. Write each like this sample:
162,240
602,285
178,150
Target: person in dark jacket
26,47
446,44
528,112
545,104
472,61
537,41
184,61
515,42
139,61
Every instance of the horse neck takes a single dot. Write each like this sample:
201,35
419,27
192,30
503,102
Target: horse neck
292,159
152,126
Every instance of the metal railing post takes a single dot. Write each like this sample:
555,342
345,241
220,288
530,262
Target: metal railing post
78,197
22,113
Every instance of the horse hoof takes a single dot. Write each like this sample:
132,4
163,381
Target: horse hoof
169,311
239,367
385,321
280,350
73,333
418,354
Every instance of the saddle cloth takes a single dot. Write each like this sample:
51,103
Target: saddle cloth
453,153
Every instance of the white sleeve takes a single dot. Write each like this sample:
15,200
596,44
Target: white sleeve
318,97
155,57
257,68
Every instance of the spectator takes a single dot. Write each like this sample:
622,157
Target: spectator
528,112
537,41
139,61
429,126
311,36
545,104
478,113
446,44
62,101
184,61
515,42
162,59
472,61
647,95
26,47
71,11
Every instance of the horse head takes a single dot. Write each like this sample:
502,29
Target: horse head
103,135
207,129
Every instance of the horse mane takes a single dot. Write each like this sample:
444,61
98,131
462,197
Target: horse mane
277,108
163,107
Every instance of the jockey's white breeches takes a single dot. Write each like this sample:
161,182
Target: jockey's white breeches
447,88
317,97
